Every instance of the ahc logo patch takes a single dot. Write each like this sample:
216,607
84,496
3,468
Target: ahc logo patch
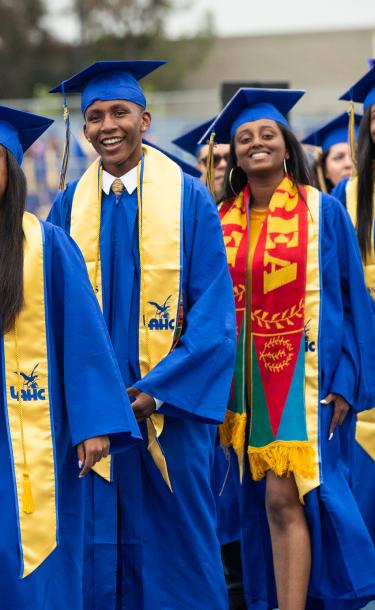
162,320
30,389
310,346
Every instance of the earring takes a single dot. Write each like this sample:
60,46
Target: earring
230,181
285,167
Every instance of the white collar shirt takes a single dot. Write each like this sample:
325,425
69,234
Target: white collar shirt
129,181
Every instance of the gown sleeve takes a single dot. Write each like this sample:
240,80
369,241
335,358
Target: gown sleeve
348,327
95,396
194,379
340,191
60,212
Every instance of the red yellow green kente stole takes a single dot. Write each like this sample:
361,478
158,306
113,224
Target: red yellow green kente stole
272,318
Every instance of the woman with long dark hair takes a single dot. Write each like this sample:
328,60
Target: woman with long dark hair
333,162
305,364
358,195
58,379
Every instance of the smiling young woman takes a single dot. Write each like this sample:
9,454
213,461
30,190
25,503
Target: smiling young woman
263,149
303,365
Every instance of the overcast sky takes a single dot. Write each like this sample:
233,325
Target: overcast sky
241,17
233,17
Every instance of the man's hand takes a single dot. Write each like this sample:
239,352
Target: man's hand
91,451
341,408
143,406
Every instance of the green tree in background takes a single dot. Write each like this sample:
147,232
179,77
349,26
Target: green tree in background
33,58
135,29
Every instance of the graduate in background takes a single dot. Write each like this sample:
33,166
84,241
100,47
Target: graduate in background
59,378
189,143
334,160
358,194
151,238
305,365
187,168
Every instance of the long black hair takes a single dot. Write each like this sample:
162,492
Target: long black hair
12,207
365,206
297,165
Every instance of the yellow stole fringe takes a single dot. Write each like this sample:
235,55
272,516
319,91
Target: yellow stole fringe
159,204
283,458
365,428
28,412
232,433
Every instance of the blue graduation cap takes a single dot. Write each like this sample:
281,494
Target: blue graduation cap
186,167
363,91
371,62
104,80
19,130
334,132
109,80
250,104
189,140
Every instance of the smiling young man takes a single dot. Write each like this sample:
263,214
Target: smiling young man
152,242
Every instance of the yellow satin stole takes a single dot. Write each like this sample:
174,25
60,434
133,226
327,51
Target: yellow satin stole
312,323
160,248
365,429
27,407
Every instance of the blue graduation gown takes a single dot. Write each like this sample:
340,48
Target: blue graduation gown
362,464
170,557
225,488
343,554
339,191
83,374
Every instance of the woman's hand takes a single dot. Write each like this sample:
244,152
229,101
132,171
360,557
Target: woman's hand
341,408
143,405
91,451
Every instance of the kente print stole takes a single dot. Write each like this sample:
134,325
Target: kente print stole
280,319
27,410
365,427
234,216
160,197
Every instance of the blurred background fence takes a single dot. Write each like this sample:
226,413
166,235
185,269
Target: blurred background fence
43,42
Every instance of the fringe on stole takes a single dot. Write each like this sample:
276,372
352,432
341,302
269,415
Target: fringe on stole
232,434
282,457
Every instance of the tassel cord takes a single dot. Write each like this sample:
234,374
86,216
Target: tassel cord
28,502
351,137
66,154
210,174
99,207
